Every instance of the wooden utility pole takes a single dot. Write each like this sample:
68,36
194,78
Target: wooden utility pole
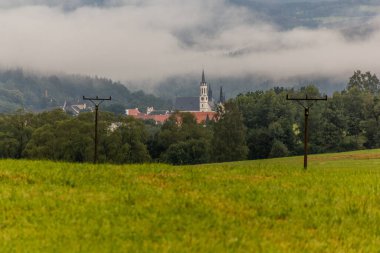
96,101
307,105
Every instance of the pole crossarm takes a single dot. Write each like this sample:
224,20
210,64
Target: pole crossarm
96,101
306,107
306,98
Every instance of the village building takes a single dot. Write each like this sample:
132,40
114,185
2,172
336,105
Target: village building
158,117
75,109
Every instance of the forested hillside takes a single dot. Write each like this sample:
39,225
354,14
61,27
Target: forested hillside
33,92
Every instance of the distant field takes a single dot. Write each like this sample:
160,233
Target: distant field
253,206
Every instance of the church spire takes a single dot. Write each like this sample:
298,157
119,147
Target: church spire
222,97
203,97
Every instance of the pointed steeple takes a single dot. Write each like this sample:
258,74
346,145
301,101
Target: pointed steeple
204,99
222,97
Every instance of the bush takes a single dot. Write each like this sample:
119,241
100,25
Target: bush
189,152
278,149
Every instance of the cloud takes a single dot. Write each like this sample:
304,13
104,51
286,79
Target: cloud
69,4
148,41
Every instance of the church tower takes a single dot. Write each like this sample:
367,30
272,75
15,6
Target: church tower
203,98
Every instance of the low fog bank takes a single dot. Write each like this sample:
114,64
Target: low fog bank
147,43
188,85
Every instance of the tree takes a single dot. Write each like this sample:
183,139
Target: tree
16,131
42,143
181,133
228,142
278,149
333,123
189,152
364,82
127,143
259,141
268,116
67,140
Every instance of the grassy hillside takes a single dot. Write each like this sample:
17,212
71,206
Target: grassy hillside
255,206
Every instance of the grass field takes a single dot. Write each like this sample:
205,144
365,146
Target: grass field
253,206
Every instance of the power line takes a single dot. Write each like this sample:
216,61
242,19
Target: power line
307,108
96,101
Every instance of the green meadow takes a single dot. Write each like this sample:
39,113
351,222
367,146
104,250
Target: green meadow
252,206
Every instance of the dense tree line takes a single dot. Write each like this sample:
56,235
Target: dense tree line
55,135
254,125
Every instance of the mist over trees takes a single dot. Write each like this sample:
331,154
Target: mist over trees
34,92
233,86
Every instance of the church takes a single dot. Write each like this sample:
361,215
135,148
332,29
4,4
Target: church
203,103
203,106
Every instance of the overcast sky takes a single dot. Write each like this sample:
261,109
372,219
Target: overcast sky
149,40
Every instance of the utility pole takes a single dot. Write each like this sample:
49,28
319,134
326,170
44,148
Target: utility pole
96,101
307,107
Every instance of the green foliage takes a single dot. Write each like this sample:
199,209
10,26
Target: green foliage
189,152
67,140
56,136
278,149
364,82
229,141
182,141
16,131
259,141
349,120
268,116
126,144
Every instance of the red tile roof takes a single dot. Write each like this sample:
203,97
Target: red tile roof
202,116
133,112
158,118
